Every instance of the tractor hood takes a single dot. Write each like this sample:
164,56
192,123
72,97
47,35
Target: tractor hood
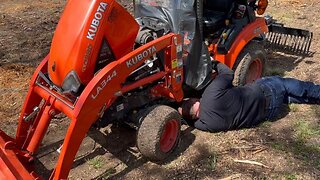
183,17
86,30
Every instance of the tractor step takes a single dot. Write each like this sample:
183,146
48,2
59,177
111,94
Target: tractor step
289,39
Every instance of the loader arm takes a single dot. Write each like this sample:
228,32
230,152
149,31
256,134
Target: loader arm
97,96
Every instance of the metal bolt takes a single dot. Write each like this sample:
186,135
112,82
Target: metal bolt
175,40
118,94
32,115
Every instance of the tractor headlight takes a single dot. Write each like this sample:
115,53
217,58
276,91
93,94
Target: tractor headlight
71,83
262,6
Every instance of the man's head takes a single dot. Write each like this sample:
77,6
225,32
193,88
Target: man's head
190,108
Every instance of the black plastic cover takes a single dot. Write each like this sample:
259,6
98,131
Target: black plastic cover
183,17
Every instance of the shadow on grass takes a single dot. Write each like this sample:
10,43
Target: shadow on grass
294,145
280,63
200,166
120,142
187,138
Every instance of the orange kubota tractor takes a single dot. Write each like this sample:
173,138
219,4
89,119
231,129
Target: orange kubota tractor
106,66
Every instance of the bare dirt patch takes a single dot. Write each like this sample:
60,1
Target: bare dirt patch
288,148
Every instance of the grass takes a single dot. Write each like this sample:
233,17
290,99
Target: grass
96,162
274,72
289,176
278,146
260,178
212,161
304,130
286,18
316,110
108,172
266,124
9,129
317,163
294,107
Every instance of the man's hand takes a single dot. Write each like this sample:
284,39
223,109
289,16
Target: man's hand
214,65
214,72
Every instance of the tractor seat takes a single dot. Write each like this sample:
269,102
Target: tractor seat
213,20
215,13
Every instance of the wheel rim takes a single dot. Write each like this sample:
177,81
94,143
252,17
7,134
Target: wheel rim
255,71
169,135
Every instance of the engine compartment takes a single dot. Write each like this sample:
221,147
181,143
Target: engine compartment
129,107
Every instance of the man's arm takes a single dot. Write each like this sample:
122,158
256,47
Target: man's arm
222,69
224,76
213,127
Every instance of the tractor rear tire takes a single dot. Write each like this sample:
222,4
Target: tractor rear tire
159,132
250,64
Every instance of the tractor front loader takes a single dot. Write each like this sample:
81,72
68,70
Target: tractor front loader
76,44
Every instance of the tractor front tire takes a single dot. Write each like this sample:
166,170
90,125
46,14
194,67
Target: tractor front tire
159,132
250,64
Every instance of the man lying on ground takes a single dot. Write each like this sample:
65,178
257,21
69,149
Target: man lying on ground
225,107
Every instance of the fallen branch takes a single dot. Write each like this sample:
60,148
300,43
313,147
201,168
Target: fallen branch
251,162
258,151
232,177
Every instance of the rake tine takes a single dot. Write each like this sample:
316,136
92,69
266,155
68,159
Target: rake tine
303,49
273,38
311,36
282,42
295,43
285,40
305,46
271,34
276,39
308,43
279,40
305,42
300,44
303,39
290,43
268,35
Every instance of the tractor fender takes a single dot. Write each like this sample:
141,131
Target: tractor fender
249,32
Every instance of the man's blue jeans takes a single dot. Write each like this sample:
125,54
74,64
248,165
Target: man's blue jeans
287,90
